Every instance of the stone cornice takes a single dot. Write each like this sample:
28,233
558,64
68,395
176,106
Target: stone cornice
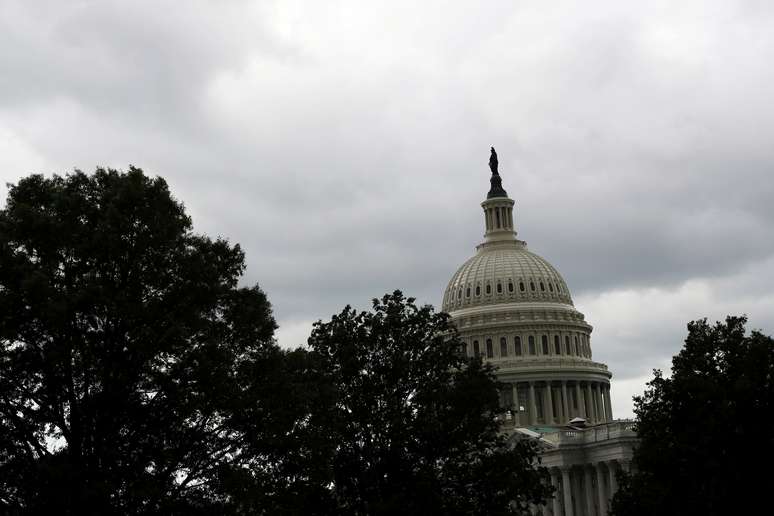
497,307
507,327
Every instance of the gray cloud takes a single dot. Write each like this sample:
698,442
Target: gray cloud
344,145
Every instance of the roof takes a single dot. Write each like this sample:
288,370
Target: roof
506,272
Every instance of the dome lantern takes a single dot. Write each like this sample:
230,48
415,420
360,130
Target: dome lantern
498,208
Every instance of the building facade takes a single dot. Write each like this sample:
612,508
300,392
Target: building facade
512,307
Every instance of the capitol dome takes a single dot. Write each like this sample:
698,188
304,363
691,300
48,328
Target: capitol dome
505,273
514,309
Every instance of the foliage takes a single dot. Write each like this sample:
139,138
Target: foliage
411,420
705,431
138,377
128,353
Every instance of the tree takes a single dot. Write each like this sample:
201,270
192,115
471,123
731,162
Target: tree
130,359
705,431
411,421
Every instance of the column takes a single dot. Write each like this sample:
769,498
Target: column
532,407
579,396
550,404
608,403
567,488
598,402
517,410
565,403
611,469
589,491
557,502
590,403
602,500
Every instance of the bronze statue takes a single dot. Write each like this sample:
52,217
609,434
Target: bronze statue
493,162
495,181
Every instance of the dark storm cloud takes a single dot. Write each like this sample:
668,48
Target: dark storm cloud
344,145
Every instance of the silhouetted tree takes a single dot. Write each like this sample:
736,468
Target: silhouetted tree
136,376
411,420
706,432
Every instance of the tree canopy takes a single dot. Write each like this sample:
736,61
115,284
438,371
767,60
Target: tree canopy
138,377
412,420
705,432
127,349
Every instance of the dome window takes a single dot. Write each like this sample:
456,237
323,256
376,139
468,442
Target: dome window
542,287
503,347
532,286
517,346
577,349
544,343
557,345
510,286
488,288
459,294
476,351
467,292
499,288
567,345
489,349
551,287
532,345
521,286
478,290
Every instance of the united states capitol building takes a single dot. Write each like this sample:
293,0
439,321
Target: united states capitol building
512,307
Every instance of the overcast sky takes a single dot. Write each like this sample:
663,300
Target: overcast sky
344,144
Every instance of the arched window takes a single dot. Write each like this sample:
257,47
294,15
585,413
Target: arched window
510,286
464,349
459,294
544,342
532,345
557,345
489,349
567,345
499,288
478,290
488,288
542,287
532,286
521,286
517,346
551,287
503,347
476,351
467,292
